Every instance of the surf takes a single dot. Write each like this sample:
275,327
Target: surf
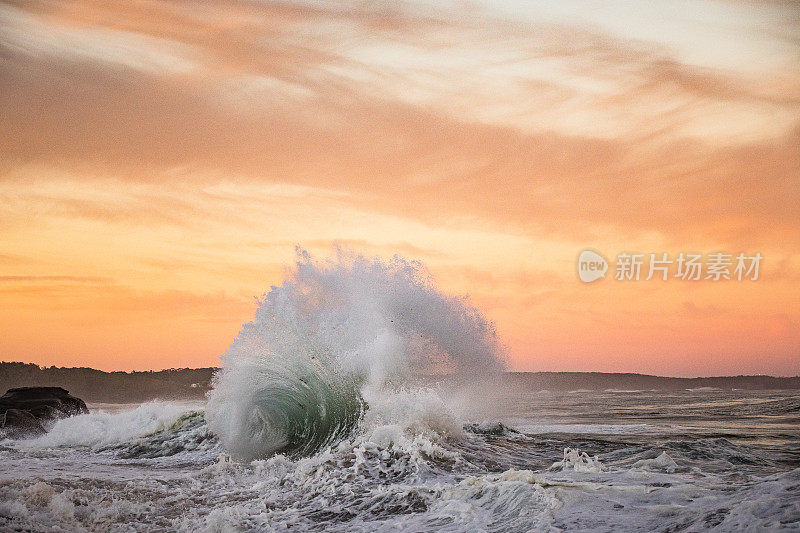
336,337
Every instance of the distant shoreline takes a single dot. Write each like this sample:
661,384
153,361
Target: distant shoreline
192,383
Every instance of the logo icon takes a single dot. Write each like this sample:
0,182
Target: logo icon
591,266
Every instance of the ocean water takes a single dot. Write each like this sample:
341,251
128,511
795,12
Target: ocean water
602,461
318,420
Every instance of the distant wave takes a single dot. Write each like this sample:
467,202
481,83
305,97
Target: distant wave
583,429
335,338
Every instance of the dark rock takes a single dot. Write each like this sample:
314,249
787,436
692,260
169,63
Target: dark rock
27,411
16,424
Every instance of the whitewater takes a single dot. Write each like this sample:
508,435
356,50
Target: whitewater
362,398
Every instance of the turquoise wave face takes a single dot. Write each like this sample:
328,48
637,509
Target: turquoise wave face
299,414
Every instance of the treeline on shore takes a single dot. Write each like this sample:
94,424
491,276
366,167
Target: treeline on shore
96,386
630,381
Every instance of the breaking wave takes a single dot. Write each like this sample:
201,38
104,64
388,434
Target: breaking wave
335,339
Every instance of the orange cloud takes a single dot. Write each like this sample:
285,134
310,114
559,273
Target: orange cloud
182,152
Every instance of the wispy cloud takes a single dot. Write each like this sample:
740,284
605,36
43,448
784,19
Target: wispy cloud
170,146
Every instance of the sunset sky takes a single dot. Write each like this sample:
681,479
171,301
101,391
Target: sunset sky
160,160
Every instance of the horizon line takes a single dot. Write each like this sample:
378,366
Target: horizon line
153,370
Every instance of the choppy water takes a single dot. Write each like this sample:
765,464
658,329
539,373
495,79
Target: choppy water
648,461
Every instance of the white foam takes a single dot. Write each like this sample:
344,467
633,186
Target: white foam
578,461
104,429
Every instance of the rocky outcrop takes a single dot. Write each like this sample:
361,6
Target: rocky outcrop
27,411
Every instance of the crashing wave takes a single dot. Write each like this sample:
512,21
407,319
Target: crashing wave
333,339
